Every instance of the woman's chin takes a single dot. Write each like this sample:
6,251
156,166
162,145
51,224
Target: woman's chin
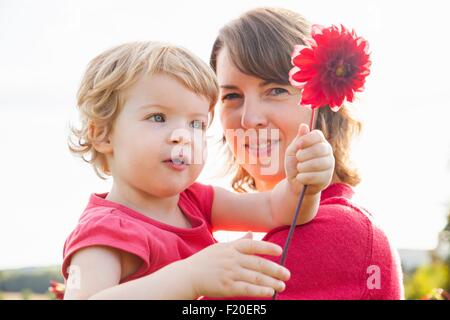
265,175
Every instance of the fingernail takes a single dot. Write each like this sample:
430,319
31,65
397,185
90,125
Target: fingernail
288,273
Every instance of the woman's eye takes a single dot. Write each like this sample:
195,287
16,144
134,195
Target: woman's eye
277,91
198,124
159,117
231,96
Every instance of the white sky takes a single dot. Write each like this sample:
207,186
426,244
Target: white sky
45,45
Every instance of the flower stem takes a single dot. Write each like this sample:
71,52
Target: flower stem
297,212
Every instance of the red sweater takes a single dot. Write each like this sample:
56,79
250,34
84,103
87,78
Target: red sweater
341,254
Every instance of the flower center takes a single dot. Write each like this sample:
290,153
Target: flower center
341,71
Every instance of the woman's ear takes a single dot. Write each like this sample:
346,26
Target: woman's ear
100,139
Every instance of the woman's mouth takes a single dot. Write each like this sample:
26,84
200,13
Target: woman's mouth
262,148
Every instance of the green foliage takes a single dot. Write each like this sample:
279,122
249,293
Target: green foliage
50,296
35,279
26,294
425,279
428,280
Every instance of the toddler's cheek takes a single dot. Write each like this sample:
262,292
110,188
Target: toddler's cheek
196,170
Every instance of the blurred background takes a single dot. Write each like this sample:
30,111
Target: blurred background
403,153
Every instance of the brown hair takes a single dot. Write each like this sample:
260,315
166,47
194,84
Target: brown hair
100,97
260,43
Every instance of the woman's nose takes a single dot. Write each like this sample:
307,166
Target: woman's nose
253,115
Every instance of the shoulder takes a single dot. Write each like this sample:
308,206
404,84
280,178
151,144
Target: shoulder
343,240
338,219
199,192
199,197
106,227
105,222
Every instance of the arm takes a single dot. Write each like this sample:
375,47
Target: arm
309,161
222,269
100,271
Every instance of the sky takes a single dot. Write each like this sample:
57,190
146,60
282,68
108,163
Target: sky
403,153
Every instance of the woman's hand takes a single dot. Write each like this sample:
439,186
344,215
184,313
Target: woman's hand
232,269
309,161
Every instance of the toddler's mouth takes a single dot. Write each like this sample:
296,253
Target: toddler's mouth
177,161
178,164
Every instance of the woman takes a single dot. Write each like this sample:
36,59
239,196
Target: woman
342,254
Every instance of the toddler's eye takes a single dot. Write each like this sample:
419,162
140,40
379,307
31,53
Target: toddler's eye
159,117
198,124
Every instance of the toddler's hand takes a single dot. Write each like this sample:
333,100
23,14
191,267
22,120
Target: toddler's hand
233,269
309,161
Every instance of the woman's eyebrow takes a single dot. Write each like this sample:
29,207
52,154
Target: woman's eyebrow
265,83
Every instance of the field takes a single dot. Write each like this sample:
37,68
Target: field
22,296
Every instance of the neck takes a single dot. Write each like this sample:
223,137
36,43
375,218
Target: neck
143,202
335,179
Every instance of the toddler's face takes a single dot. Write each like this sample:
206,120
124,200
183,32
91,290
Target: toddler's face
158,141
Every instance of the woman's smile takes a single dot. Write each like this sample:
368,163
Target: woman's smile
262,148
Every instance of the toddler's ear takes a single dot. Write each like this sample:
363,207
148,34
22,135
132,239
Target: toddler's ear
100,139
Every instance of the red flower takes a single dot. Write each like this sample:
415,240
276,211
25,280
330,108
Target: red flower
57,289
332,69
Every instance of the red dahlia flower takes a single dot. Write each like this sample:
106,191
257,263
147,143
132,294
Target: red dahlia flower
332,69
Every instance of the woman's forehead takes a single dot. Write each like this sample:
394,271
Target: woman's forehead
230,77
229,70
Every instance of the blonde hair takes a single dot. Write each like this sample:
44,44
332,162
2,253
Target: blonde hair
260,43
100,97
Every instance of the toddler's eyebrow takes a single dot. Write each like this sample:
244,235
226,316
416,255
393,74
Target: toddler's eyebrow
160,106
145,106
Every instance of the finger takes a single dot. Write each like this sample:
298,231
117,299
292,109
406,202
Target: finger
311,178
249,246
316,151
303,130
241,288
264,266
259,279
316,165
315,136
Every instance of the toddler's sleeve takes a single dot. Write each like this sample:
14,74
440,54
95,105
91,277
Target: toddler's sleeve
203,196
109,230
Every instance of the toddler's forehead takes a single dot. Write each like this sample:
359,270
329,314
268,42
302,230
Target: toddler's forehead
164,92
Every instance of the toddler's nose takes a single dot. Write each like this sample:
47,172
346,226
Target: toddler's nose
180,136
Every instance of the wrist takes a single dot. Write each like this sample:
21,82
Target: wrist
189,277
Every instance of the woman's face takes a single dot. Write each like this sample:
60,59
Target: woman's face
266,113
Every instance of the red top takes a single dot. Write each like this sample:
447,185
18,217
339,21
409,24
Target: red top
107,223
341,254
